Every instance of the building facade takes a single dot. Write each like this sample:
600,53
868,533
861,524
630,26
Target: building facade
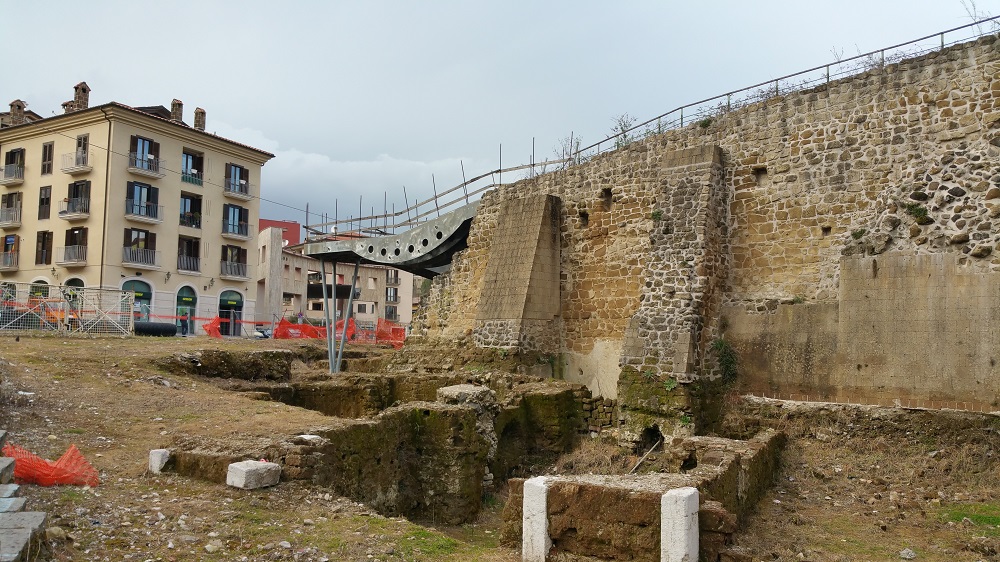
288,285
127,198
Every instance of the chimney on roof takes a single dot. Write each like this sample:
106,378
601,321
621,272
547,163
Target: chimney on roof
17,112
177,110
81,96
68,106
199,119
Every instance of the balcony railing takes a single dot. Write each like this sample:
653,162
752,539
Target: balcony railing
76,162
234,270
239,189
192,176
392,299
11,175
392,317
143,211
232,229
8,261
392,278
10,217
192,220
145,165
75,208
140,257
188,263
71,255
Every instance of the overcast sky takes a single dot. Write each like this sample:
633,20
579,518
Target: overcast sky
362,98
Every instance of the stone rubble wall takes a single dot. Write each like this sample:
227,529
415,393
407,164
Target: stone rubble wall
616,517
898,160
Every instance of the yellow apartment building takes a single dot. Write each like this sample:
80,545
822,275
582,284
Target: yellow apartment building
130,198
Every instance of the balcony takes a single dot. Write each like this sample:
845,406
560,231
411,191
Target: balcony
71,256
11,175
141,211
192,177
77,208
234,270
189,263
392,317
392,278
75,163
8,261
145,165
191,220
238,189
236,231
10,217
141,258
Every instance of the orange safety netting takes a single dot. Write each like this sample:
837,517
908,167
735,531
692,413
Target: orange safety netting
212,327
390,333
70,470
286,330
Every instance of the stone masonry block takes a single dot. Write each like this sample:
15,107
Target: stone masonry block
9,490
6,470
8,505
158,459
250,475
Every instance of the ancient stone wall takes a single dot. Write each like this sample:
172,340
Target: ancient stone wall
899,160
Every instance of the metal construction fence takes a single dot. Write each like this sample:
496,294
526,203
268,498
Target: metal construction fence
28,306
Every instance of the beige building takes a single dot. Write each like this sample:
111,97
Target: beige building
131,198
289,285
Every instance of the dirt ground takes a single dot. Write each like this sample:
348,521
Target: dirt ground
107,397
857,484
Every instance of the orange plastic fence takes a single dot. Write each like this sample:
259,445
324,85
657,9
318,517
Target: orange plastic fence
212,327
384,333
70,470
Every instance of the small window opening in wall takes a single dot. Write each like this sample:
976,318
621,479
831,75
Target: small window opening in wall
827,230
584,218
606,199
651,437
760,175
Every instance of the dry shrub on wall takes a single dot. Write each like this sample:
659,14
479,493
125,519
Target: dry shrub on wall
596,456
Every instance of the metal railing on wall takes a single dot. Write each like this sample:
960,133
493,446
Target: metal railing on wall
709,108
702,112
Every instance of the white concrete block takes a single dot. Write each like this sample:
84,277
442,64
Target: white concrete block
679,525
250,475
535,541
158,459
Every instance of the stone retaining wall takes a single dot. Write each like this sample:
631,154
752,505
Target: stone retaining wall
754,209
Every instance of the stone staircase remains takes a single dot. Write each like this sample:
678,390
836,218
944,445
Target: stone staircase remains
21,532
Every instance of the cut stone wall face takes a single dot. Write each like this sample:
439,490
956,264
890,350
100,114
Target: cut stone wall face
754,211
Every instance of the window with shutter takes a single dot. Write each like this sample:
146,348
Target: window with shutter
44,202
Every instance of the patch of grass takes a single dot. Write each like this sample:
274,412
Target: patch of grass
978,513
657,215
916,211
670,384
798,299
686,420
426,542
705,123
857,234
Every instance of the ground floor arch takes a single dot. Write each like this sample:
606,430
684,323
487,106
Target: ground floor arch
231,309
186,307
143,298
